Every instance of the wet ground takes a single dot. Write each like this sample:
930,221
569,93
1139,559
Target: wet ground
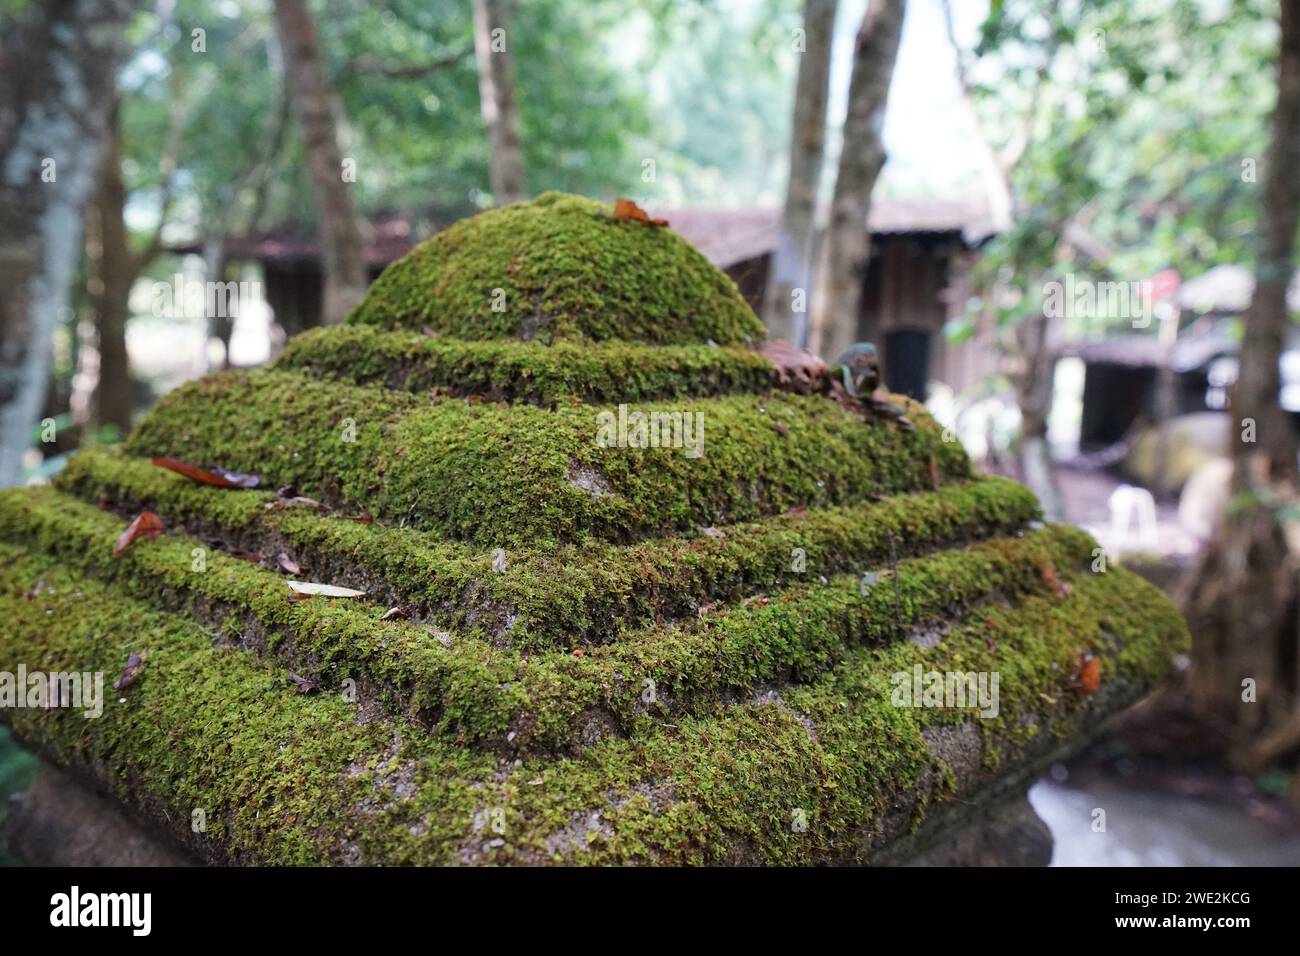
1145,827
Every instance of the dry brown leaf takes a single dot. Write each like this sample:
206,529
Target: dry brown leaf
1088,678
134,664
292,502
313,588
145,523
305,686
629,211
796,368
216,477
1053,581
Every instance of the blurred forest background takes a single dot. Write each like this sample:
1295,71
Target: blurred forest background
940,177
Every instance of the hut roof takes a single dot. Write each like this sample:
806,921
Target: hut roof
726,236
1227,289
782,630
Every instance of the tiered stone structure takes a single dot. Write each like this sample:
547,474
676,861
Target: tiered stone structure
570,649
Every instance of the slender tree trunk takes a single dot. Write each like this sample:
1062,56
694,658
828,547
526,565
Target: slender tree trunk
59,59
496,90
790,277
1242,600
215,264
219,227
112,273
340,229
1031,371
862,155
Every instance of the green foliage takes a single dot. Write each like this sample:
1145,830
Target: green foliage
1142,120
408,85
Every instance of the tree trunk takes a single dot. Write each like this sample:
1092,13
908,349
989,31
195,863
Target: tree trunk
340,229
1242,600
862,155
791,272
60,59
496,90
112,273
1031,371
215,264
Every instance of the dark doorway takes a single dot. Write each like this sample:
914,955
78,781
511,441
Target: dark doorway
907,362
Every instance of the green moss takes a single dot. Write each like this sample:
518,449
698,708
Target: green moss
466,690
674,661
499,474
559,267
547,375
578,593
476,693
288,778
279,776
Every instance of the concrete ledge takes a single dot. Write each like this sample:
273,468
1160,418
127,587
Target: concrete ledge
58,822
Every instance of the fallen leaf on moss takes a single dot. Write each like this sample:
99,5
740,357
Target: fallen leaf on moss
629,211
145,523
292,502
134,664
400,613
305,686
796,368
287,564
1053,581
216,477
1088,678
312,588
